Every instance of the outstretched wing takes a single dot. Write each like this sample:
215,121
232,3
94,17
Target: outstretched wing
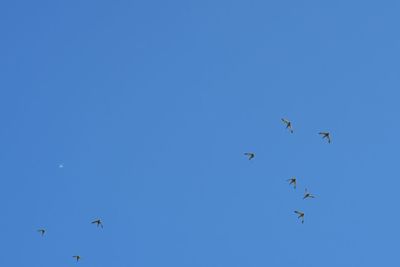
287,122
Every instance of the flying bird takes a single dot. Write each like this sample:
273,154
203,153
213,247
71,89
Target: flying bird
288,124
308,195
77,257
98,222
41,231
301,215
326,135
250,155
292,181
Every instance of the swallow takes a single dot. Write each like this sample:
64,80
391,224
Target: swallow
301,215
250,155
288,124
77,257
98,222
292,181
326,135
308,195
41,231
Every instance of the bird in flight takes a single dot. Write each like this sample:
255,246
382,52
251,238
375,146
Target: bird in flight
326,135
292,181
308,195
98,222
301,215
288,124
77,257
250,155
41,231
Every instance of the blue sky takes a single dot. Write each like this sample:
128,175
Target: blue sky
150,105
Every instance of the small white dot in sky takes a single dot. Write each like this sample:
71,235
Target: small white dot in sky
61,166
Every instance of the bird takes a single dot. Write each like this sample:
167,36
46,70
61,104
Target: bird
77,257
292,181
326,135
308,195
41,231
250,155
98,222
288,124
301,215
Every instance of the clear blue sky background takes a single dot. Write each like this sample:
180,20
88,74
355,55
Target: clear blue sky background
150,106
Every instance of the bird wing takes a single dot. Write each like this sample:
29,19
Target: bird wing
285,121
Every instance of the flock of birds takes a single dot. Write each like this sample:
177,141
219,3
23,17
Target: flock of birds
97,222
293,181
250,155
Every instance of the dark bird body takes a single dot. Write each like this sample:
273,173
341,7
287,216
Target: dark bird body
98,223
292,181
326,135
288,124
308,195
42,231
250,155
300,215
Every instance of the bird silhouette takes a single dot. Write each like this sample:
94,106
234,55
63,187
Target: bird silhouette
301,215
77,257
98,222
41,231
250,155
288,124
308,195
292,181
326,135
